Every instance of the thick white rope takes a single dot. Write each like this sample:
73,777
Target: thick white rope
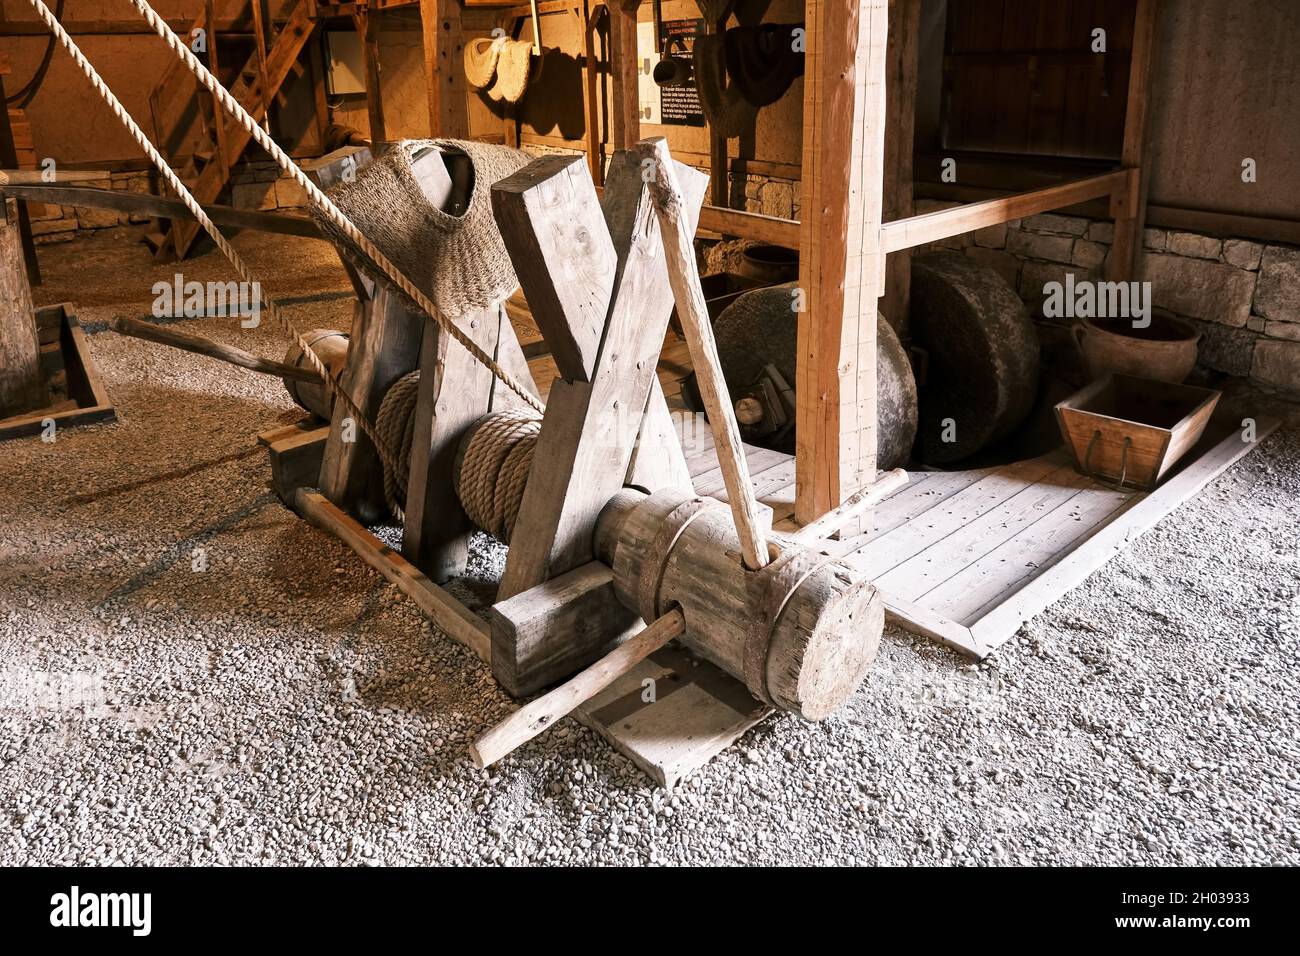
213,85
331,384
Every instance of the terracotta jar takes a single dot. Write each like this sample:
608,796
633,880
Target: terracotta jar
1165,350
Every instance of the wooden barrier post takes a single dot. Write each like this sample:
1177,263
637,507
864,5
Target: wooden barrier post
841,264
1128,205
22,387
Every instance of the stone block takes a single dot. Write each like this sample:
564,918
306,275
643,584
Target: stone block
1225,349
990,237
1277,363
1282,330
1242,253
46,227
1101,232
253,196
89,218
1193,245
1214,291
1088,254
1154,239
777,199
1278,295
1055,224
289,193
1032,245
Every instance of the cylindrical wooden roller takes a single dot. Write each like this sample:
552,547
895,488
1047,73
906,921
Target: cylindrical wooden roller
331,348
800,632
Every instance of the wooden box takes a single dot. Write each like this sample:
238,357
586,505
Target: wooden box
1131,431
77,393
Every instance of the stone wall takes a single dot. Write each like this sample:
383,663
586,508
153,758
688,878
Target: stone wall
1244,296
257,185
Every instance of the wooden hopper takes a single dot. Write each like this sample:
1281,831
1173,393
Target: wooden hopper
1133,430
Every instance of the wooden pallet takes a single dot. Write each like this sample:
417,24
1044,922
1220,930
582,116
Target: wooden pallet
71,373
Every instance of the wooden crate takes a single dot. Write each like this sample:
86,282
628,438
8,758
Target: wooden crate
1130,430
77,393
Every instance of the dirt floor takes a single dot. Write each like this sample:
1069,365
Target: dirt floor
190,673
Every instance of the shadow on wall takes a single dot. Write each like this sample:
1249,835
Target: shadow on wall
555,97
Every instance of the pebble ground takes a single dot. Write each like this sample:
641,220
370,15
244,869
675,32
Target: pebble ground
286,705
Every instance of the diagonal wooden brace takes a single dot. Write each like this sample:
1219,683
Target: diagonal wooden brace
609,395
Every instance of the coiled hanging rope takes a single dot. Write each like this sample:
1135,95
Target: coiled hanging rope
213,85
386,454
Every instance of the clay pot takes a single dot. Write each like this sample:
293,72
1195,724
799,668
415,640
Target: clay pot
770,264
1165,350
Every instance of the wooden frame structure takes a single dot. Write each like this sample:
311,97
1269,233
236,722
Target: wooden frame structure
856,66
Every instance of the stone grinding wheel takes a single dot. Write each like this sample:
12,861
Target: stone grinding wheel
761,327
983,356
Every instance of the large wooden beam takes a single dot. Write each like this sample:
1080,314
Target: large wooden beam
841,265
945,223
160,206
624,105
1129,207
443,71
22,387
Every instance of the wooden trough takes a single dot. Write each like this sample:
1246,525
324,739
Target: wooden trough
77,393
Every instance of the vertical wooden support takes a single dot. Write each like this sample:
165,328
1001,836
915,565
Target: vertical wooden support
625,106
384,346
444,53
455,391
1129,206
22,387
604,310
368,31
841,266
9,160
900,123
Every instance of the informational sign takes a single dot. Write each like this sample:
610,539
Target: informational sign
671,105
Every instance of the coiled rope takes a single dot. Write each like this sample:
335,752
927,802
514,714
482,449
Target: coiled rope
331,384
492,466
213,85
494,463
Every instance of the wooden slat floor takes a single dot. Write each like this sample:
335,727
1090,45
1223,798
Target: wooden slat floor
955,553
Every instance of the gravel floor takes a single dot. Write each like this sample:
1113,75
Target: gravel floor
285,705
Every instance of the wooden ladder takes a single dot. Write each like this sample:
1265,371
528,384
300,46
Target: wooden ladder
203,158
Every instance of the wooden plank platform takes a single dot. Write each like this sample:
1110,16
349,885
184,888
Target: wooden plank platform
964,557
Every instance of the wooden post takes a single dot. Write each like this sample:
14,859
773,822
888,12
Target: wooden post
22,388
679,251
9,160
384,346
444,52
1129,205
900,122
367,29
625,106
841,264
455,391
